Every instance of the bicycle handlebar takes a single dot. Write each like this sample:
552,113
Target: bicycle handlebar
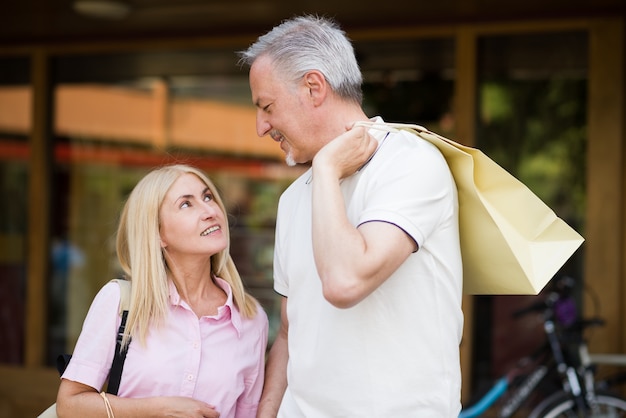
558,303
540,306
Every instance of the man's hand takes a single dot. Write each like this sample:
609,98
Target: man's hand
347,153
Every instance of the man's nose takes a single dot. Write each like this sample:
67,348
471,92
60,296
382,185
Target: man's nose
263,127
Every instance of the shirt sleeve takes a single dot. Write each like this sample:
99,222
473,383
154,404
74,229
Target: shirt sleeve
410,187
94,350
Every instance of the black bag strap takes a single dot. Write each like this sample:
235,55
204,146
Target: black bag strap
115,375
62,362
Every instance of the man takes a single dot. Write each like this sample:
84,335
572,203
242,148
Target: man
367,251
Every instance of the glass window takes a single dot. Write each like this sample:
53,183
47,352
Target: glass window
15,116
116,117
409,81
532,121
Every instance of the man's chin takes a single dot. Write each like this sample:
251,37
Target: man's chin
290,161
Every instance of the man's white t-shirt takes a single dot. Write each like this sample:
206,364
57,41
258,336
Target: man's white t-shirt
396,353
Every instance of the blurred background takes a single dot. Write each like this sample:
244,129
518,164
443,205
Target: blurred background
95,93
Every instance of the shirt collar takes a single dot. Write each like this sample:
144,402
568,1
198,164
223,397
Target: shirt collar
379,134
228,311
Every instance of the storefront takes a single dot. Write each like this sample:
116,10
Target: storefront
81,123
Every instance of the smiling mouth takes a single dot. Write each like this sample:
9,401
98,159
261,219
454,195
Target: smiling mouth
277,136
210,230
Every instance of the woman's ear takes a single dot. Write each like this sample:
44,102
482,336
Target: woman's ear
162,243
317,86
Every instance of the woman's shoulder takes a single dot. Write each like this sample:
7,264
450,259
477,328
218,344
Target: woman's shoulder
108,297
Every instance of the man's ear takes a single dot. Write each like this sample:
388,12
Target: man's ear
317,86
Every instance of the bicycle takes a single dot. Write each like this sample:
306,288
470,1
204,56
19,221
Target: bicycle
562,361
610,368
614,380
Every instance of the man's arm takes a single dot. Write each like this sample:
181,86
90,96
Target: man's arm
351,262
276,369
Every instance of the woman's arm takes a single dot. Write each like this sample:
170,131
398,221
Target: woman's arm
77,400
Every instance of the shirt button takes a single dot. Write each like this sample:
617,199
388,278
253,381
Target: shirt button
189,377
195,345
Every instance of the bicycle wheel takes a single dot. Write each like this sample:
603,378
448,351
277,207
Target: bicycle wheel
561,405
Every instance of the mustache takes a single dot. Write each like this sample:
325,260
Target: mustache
276,135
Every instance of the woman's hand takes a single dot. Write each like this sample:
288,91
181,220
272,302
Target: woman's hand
180,407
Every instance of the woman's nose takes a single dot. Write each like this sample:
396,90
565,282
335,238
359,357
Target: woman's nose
209,210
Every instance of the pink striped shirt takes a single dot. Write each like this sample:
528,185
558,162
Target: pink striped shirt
216,359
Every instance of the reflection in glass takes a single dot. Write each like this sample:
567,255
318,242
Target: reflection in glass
118,115
410,81
15,113
109,135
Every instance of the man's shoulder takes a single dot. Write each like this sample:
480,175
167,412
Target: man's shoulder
405,145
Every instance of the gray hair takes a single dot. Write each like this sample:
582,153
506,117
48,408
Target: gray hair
306,43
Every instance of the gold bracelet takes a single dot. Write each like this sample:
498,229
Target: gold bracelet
107,405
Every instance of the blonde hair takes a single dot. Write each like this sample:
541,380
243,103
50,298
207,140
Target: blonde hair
140,256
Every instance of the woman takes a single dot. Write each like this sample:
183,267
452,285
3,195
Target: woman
198,339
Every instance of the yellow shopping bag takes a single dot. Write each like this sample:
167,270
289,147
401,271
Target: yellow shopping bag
511,241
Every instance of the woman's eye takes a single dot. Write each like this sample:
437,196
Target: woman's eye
185,204
208,197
